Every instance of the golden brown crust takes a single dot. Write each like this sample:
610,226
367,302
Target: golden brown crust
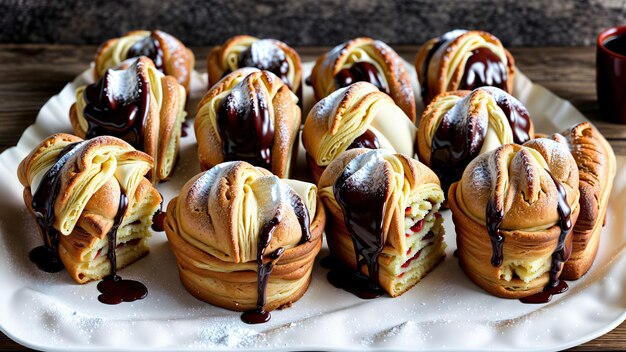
178,60
216,256
596,164
515,179
78,245
217,61
328,66
284,110
445,71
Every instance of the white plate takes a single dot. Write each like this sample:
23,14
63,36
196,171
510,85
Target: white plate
443,312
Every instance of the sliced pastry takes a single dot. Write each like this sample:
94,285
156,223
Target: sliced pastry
596,169
249,115
463,60
167,53
368,60
513,210
139,105
357,116
386,227
265,54
244,239
458,126
92,204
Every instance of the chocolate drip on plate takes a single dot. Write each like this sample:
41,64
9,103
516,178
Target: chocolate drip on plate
46,257
367,140
266,55
246,127
362,72
113,288
112,109
484,68
149,47
364,214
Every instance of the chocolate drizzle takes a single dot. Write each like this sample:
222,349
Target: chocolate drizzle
46,257
562,251
367,140
118,104
361,72
149,47
264,269
246,127
363,216
113,288
264,54
494,218
484,68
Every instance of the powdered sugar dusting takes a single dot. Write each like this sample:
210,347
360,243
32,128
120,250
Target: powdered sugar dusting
367,171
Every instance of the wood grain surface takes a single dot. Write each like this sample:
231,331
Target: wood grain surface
31,74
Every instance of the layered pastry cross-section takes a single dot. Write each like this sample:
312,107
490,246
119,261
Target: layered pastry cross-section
244,239
92,204
384,222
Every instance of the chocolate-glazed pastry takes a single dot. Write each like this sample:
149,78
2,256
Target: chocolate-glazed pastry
265,54
250,115
139,105
463,60
513,210
458,126
169,55
596,166
368,60
386,232
356,116
244,239
92,204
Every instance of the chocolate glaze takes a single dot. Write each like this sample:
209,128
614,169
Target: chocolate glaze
259,314
266,55
107,115
246,127
363,216
46,257
443,39
113,288
361,72
484,68
516,115
367,140
149,47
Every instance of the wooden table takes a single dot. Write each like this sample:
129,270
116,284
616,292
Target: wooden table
31,74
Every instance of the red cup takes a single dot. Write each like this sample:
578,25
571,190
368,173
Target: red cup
611,74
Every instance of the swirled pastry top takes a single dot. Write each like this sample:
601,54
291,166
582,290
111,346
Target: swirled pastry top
336,121
458,126
461,60
265,54
518,180
169,55
82,168
364,59
138,104
249,115
223,210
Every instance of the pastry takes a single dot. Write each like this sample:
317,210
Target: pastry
265,54
139,105
168,54
463,60
364,59
249,115
596,166
458,126
244,239
356,116
86,196
513,211
384,210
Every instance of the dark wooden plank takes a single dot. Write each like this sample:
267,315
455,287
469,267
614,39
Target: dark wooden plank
31,74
